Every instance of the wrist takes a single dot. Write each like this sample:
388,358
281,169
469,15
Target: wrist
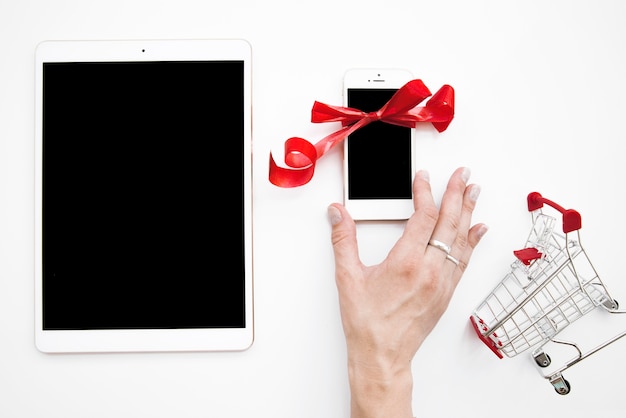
378,392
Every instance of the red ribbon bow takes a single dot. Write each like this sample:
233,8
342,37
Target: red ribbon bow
401,109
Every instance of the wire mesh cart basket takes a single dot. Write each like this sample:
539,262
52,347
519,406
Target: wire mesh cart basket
551,284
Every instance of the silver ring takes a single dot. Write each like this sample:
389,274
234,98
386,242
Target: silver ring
440,245
454,260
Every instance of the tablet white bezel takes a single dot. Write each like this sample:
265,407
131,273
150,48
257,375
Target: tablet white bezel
148,340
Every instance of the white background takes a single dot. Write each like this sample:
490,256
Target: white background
540,88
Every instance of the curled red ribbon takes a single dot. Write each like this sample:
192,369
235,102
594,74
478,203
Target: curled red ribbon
402,109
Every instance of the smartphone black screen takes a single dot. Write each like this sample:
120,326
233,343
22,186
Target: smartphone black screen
130,185
379,154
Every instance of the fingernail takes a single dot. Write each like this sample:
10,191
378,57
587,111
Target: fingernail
482,231
334,215
465,175
474,192
424,175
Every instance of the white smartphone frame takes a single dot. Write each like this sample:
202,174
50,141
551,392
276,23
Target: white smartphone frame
376,209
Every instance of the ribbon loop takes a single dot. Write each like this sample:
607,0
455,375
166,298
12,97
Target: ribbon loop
402,109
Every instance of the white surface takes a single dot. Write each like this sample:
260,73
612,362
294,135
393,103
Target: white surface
539,107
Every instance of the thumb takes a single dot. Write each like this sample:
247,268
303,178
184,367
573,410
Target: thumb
343,237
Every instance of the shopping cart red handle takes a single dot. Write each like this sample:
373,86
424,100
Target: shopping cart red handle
571,218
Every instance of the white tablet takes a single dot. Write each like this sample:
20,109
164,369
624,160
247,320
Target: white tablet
143,190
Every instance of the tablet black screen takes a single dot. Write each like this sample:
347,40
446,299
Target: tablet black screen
143,198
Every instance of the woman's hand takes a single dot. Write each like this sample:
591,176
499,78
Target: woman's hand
387,310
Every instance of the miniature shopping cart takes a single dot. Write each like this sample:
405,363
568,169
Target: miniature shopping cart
551,284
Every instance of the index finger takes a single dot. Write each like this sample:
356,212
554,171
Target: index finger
422,222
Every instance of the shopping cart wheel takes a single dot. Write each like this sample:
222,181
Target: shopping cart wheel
564,389
561,386
542,359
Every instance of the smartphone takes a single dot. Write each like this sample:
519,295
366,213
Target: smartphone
379,157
